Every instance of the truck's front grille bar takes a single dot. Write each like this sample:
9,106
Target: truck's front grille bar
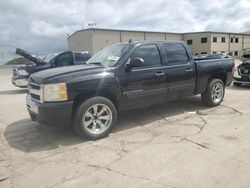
35,92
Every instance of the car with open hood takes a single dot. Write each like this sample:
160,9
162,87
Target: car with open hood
21,73
242,74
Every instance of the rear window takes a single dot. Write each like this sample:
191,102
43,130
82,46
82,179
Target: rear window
175,54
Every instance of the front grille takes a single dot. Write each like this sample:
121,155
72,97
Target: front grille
34,96
34,86
244,71
35,92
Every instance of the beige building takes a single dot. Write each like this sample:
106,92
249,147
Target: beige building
95,39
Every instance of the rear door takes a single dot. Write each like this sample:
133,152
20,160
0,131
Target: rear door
181,75
147,84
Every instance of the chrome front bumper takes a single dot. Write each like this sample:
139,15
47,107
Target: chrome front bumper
20,82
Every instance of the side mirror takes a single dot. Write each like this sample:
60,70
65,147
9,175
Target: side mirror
137,62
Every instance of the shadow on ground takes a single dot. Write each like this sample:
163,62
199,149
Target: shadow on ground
30,136
13,92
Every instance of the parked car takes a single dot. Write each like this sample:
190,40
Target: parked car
22,73
121,77
242,75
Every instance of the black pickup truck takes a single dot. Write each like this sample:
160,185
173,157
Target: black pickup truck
21,73
120,77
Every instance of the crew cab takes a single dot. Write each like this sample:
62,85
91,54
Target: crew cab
242,74
121,77
21,73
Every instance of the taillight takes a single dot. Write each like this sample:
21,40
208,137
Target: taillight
234,67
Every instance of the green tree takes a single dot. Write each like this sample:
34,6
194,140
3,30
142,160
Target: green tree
17,61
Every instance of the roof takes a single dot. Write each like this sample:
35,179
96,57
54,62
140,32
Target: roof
143,31
123,30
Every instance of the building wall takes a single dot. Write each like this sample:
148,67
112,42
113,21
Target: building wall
172,36
246,41
154,36
102,39
220,46
93,40
135,36
197,47
81,41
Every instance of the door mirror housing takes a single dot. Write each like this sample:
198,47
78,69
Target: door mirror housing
136,62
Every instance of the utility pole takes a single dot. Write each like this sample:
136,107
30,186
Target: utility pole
2,55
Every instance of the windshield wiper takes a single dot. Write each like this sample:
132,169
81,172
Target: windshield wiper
96,63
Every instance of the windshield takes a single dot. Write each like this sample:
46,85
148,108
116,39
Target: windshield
49,57
109,56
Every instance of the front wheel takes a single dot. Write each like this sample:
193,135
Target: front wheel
214,93
95,118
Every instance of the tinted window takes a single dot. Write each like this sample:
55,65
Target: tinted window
81,57
149,53
204,40
63,60
176,54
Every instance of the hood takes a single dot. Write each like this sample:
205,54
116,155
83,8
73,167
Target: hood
245,54
29,56
64,74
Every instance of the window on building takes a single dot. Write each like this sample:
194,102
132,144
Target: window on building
236,53
196,54
214,39
214,52
232,39
204,40
223,39
203,53
149,53
190,42
176,54
236,40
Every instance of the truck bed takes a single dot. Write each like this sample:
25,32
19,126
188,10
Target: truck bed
207,68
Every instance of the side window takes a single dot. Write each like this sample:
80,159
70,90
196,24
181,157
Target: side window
149,53
176,54
63,60
82,57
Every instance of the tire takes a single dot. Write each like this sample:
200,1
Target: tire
237,84
32,117
95,118
214,93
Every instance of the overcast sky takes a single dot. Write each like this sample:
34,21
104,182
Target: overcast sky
41,26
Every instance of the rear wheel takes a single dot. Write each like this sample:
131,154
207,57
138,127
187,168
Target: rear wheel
214,93
237,84
95,118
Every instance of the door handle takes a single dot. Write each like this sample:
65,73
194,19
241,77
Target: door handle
159,74
189,70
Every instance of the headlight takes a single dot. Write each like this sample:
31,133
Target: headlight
23,72
55,92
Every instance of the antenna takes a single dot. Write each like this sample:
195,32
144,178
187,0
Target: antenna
92,24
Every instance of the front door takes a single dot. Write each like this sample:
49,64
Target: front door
144,85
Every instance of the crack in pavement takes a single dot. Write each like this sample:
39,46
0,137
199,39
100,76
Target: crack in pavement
234,109
198,144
